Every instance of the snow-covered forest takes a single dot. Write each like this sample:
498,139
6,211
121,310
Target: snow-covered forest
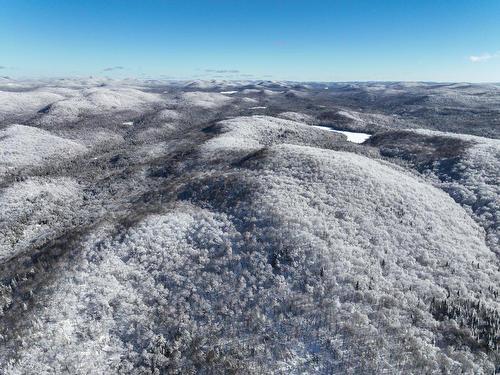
218,227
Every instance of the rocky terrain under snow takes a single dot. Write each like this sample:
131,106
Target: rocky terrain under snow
205,227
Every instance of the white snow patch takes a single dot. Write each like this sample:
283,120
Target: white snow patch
353,137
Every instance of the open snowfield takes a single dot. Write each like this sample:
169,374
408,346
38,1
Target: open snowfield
355,137
250,227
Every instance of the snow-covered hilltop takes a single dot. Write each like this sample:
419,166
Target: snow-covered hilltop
216,227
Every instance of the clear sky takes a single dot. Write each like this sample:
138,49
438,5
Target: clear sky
327,40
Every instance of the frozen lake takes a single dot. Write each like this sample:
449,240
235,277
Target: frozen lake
354,137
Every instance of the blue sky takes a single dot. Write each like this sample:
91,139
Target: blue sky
296,40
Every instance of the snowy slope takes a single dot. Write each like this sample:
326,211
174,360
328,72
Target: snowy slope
149,229
24,146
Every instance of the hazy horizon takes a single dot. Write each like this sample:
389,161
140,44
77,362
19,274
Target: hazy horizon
235,80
